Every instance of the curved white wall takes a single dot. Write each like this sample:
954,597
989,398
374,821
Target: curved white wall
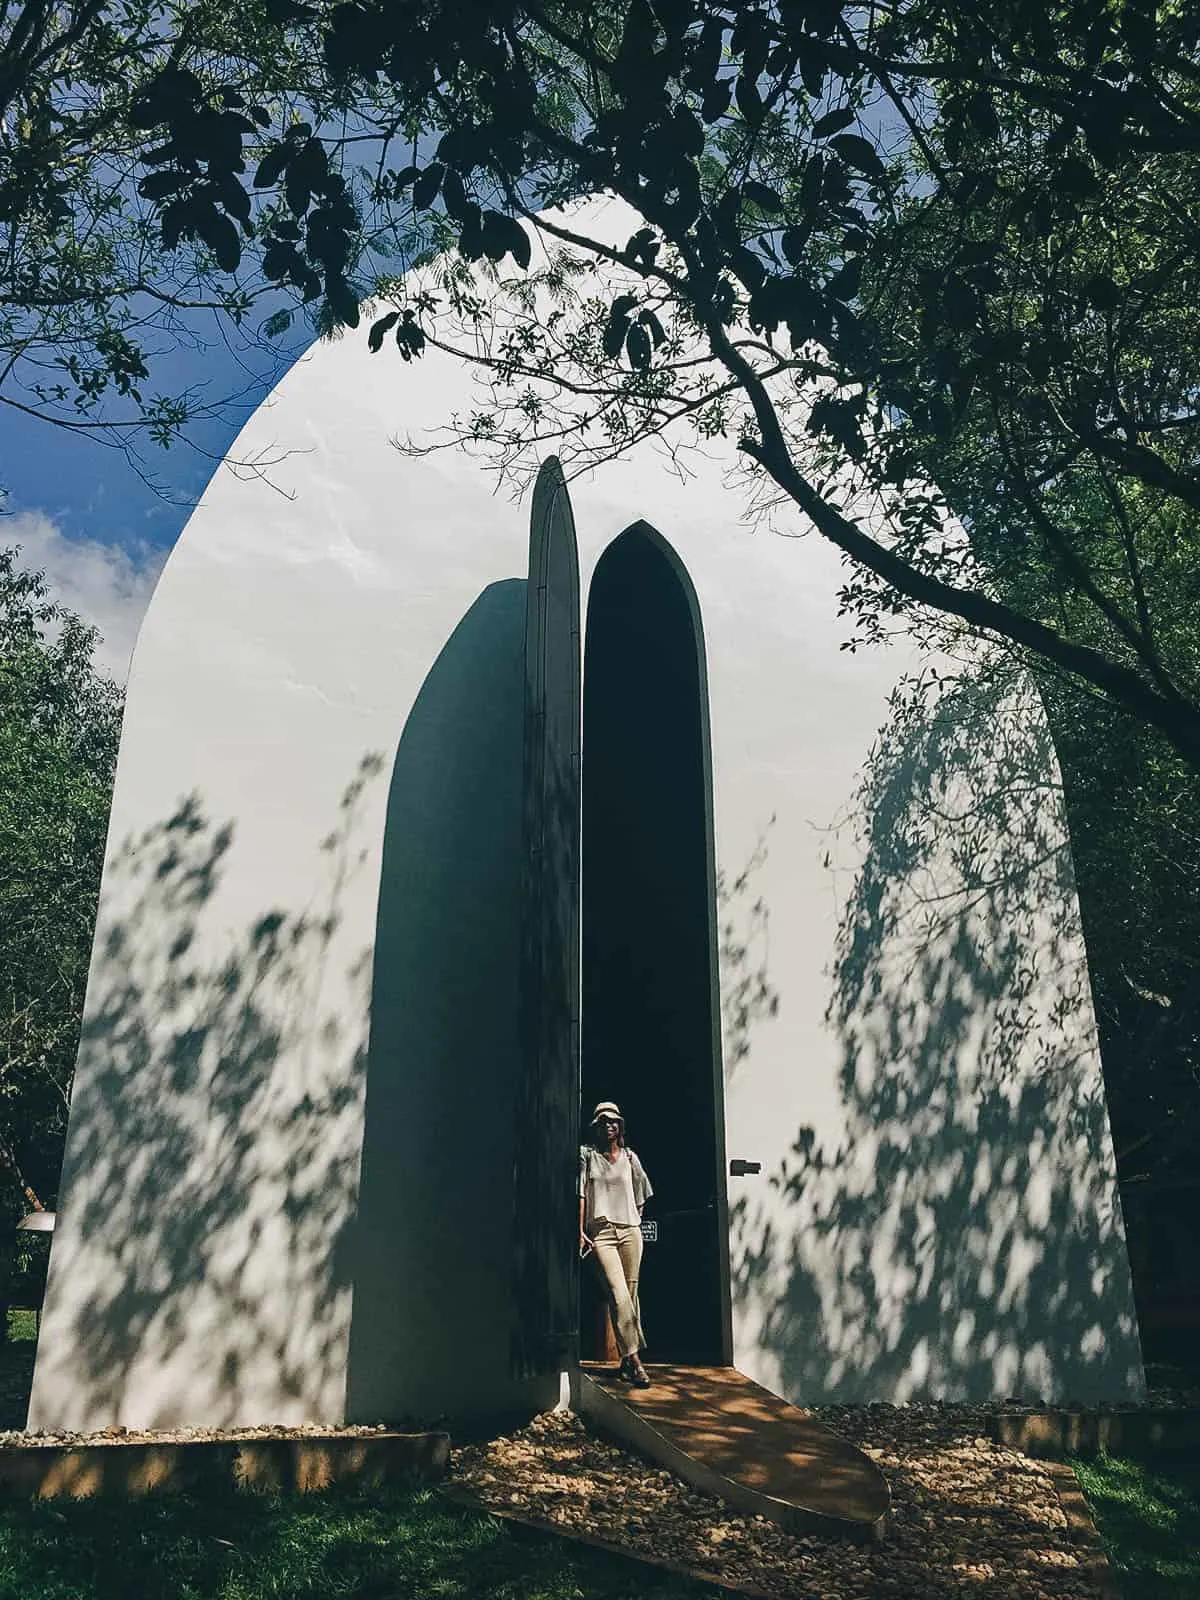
326,686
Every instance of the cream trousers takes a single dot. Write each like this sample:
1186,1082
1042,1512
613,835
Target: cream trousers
618,1248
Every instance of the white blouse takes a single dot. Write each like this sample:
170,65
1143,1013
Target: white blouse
612,1191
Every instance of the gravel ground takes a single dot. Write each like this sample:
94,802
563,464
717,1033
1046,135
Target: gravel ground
969,1516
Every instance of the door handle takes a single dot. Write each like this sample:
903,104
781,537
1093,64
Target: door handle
744,1169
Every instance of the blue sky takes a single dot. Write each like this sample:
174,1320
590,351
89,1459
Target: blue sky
83,513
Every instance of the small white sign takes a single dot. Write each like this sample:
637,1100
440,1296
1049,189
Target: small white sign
650,1232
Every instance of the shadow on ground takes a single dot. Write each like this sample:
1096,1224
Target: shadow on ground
389,1545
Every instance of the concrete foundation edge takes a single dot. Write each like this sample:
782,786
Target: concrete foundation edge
1055,1433
296,1466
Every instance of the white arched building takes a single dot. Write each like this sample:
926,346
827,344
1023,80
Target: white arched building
353,940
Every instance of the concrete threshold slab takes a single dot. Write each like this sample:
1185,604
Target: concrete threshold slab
295,1465
729,1437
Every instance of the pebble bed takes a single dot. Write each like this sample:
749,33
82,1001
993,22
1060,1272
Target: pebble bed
969,1517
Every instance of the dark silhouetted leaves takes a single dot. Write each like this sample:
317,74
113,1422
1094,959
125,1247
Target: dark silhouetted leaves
653,326
617,325
1102,292
270,168
716,99
503,235
164,96
844,283
351,43
343,301
380,330
410,340
762,196
220,235
859,153
425,189
749,101
637,344
642,248
833,122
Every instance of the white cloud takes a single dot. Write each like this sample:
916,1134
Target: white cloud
108,585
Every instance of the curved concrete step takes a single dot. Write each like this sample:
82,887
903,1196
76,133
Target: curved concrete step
728,1436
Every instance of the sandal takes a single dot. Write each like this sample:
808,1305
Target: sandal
638,1376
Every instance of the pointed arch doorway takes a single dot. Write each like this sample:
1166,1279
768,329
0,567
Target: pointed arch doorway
650,1034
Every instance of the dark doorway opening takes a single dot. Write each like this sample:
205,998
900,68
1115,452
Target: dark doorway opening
649,1032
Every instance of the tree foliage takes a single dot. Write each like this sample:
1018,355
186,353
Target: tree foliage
876,225
866,235
59,728
119,247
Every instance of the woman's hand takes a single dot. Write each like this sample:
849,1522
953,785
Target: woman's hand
585,1244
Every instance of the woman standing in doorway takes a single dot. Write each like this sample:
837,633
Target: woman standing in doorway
613,1188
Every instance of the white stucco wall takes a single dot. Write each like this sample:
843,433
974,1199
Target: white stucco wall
318,755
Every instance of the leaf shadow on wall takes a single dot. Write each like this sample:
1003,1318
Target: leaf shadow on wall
213,1150
749,997
961,1237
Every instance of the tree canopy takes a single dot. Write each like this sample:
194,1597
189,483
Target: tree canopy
60,722
868,235
871,238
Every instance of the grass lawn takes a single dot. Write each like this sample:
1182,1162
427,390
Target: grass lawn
1148,1513
397,1544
